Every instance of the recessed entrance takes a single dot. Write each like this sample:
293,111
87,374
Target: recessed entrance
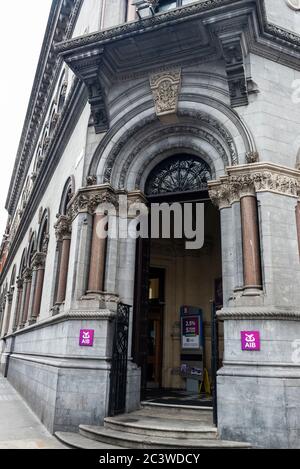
172,281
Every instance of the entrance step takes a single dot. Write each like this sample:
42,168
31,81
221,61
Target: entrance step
146,424
204,414
75,440
132,440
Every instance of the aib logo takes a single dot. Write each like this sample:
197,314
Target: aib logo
86,338
250,340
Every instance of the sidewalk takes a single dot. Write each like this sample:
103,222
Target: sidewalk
19,427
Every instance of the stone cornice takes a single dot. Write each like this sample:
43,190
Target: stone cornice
250,179
62,19
190,11
73,106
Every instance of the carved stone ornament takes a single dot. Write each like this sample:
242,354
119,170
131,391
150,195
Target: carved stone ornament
63,228
38,260
87,200
249,179
27,274
91,180
235,69
165,87
294,4
252,157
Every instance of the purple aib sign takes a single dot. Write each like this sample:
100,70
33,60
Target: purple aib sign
86,338
250,340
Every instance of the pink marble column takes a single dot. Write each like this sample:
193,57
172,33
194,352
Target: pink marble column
251,245
97,256
63,234
27,291
39,265
298,223
19,303
8,312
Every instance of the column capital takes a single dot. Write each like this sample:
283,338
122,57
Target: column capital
9,296
38,260
19,283
87,199
250,179
27,276
63,227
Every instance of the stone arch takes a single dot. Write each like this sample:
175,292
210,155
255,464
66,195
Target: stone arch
205,127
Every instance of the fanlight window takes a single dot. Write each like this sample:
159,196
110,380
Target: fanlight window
180,173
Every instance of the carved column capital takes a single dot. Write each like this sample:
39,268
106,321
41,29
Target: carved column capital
9,296
87,200
27,276
248,180
19,283
38,260
63,228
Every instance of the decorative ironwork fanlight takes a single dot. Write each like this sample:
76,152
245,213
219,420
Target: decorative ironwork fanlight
179,173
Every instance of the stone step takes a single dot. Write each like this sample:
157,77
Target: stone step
131,440
160,426
75,440
177,410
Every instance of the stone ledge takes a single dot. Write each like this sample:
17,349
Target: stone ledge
100,315
65,362
259,313
260,370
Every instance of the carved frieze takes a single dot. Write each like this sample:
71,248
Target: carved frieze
250,179
165,87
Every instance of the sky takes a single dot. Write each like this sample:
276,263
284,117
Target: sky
22,27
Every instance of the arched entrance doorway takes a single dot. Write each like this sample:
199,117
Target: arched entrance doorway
177,282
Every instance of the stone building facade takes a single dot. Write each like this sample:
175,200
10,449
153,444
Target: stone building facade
126,91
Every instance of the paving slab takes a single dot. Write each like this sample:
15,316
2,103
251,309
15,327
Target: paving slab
20,428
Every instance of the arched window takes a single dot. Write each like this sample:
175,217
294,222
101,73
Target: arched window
178,173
